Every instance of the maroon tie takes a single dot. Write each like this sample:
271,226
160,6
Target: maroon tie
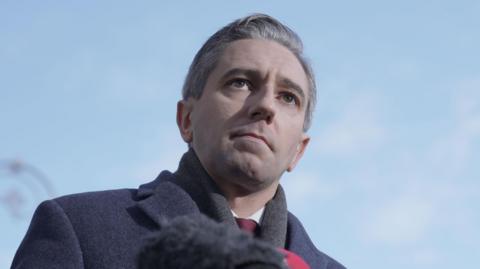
247,225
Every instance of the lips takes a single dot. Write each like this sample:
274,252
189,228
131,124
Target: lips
253,135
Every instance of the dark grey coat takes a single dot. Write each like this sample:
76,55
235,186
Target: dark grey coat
107,229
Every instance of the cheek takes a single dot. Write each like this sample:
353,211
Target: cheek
291,140
211,118
229,104
226,112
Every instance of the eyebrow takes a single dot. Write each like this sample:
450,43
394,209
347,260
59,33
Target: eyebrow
295,87
241,71
255,74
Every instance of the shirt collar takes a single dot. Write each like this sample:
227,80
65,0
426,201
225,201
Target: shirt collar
257,216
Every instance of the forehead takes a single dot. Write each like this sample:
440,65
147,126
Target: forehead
265,57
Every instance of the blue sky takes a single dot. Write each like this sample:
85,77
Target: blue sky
88,92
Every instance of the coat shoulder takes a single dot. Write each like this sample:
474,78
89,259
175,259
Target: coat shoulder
100,199
107,199
300,243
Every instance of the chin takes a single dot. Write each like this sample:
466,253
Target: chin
252,174
245,169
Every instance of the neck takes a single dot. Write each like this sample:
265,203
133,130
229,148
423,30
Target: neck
242,199
245,203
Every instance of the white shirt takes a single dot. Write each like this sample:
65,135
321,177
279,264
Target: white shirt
257,216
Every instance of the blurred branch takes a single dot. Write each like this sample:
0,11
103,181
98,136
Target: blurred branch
13,198
17,167
14,201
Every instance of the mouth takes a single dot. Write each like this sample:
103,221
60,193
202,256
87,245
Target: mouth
254,136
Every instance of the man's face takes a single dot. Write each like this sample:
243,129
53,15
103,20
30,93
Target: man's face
247,127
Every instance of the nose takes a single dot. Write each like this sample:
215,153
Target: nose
263,105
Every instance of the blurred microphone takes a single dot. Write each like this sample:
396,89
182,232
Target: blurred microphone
197,242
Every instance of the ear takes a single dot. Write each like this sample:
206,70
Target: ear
302,145
184,109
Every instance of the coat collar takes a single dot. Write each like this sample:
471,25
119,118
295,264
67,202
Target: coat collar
191,190
161,199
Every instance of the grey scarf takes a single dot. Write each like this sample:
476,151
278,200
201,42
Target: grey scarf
192,177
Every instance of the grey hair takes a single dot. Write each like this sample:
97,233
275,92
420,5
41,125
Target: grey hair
256,26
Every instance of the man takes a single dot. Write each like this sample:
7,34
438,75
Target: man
247,104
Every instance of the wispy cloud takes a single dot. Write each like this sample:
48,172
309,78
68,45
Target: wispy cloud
357,129
427,196
170,150
457,148
402,220
304,187
426,257
421,217
421,197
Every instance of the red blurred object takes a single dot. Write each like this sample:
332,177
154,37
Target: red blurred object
293,260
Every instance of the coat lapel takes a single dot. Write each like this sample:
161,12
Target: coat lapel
161,200
300,243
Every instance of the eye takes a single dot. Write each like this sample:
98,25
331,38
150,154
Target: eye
289,98
239,83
